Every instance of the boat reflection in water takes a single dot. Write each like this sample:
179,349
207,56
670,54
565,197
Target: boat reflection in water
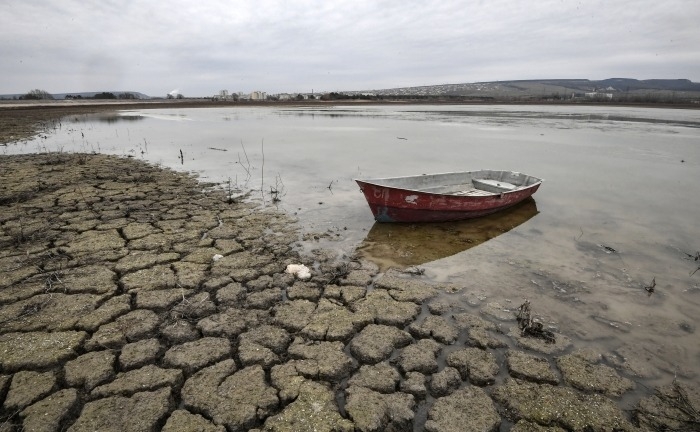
407,244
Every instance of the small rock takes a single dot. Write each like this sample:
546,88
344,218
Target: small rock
299,270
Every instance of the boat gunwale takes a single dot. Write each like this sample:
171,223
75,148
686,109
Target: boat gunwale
374,181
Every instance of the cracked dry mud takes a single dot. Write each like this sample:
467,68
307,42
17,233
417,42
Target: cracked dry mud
114,315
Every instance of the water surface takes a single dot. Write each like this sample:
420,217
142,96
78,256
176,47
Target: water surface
618,208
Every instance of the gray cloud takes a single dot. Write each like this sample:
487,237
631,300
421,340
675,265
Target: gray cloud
290,46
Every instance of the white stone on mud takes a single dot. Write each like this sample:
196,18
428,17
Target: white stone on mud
299,270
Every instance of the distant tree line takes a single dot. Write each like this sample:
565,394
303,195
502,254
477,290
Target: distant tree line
36,94
110,95
344,96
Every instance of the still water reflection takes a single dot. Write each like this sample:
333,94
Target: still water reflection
402,245
619,206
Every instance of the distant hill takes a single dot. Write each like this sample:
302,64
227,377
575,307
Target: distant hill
85,95
612,88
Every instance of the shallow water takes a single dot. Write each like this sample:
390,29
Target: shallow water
618,207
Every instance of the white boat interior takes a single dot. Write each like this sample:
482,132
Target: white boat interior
471,183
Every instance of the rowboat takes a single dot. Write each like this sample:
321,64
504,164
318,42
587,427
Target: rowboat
446,196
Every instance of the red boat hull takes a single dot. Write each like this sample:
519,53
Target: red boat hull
389,204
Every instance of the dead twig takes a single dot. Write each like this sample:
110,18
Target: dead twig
339,272
531,328
695,257
678,413
278,191
262,169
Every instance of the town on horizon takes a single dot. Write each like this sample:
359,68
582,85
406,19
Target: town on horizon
613,89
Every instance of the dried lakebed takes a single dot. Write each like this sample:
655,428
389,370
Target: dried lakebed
115,315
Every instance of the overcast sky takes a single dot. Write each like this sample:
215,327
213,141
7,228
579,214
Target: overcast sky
199,47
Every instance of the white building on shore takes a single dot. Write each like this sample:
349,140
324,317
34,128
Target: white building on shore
258,95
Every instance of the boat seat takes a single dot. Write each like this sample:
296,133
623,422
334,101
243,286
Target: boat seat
494,186
473,192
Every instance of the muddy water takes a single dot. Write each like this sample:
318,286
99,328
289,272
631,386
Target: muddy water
618,208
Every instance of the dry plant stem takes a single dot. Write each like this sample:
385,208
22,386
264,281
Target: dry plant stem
245,167
262,170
